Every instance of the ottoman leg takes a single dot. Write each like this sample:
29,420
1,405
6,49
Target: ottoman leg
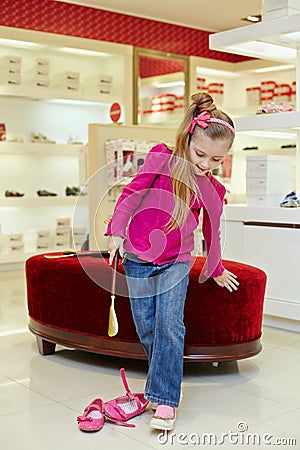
45,347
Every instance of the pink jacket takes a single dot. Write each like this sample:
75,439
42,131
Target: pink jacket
146,205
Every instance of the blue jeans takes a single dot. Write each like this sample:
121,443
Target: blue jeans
157,297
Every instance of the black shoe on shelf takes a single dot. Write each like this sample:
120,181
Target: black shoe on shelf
70,191
75,190
44,193
13,194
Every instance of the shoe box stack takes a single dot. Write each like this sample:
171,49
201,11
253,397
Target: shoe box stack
105,84
15,242
11,70
11,243
100,84
79,237
62,238
268,179
277,9
42,72
43,239
67,80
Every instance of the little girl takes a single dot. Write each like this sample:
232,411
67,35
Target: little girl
152,227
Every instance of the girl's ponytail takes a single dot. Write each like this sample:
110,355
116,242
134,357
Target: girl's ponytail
202,102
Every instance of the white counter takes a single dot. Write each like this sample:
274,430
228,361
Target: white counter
268,238
262,214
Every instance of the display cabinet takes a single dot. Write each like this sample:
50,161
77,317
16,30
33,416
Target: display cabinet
51,88
102,197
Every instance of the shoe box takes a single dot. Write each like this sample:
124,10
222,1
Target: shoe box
11,242
43,239
277,9
67,80
268,179
79,237
42,72
62,237
100,84
10,72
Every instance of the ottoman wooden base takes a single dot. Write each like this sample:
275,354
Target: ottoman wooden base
47,338
68,306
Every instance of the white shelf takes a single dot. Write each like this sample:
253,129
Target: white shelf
56,95
39,201
265,40
274,121
26,148
274,214
21,257
276,151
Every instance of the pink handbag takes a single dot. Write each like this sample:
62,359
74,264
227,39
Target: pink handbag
123,408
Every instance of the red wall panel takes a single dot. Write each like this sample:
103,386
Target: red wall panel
74,20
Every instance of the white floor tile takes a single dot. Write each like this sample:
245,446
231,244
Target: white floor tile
273,374
78,374
273,337
55,427
14,397
20,345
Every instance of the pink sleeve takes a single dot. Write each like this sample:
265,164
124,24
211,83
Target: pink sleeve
211,233
134,192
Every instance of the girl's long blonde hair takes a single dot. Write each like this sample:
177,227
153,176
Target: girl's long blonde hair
182,175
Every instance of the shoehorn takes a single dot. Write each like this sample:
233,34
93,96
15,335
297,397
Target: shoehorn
113,326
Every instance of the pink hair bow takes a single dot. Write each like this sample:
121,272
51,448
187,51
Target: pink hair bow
204,119
201,120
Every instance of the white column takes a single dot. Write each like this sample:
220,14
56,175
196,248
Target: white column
298,133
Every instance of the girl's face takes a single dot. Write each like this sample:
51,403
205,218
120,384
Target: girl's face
207,154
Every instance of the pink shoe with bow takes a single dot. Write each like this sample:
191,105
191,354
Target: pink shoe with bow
92,418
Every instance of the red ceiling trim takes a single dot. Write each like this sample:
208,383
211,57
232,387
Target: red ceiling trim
74,20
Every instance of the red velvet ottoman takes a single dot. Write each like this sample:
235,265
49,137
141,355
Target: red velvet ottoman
68,304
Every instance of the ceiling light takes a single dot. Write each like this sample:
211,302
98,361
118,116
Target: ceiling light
18,44
69,101
215,72
256,18
274,68
291,37
80,51
169,84
263,50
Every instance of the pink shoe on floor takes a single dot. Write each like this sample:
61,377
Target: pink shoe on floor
92,418
125,407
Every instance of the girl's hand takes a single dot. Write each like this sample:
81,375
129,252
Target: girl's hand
227,280
115,243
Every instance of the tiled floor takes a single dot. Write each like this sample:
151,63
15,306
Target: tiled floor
40,397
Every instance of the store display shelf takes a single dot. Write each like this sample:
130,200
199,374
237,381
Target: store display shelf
275,121
21,257
38,201
264,151
18,257
270,214
275,40
26,148
56,95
